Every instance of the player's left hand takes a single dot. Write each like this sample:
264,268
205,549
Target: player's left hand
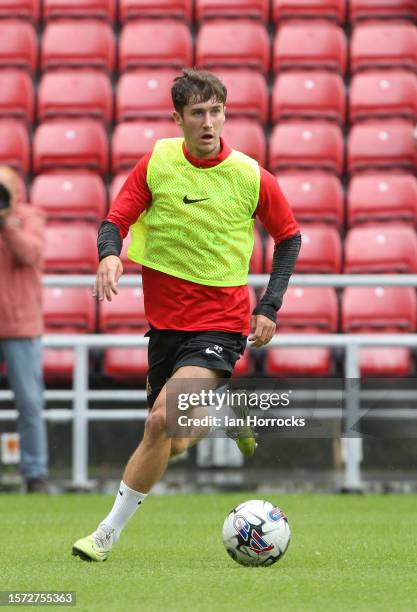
262,330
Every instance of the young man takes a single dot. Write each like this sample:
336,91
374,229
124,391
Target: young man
21,323
191,206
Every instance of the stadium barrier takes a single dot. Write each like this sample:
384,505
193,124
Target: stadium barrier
80,395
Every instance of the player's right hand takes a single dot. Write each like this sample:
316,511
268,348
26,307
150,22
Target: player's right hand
109,271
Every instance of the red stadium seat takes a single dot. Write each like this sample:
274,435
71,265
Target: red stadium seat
305,310
79,143
162,43
381,94
379,249
133,9
71,247
116,185
71,43
383,145
384,45
382,197
310,44
238,9
20,9
368,9
75,93
237,43
18,46
381,310
14,145
292,9
98,9
314,197
246,136
303,144
247,94
77,196
134,139
66,310
126,314
17,96
145,95
318,95
321,251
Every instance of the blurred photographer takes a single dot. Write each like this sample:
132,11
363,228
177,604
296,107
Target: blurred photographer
21,324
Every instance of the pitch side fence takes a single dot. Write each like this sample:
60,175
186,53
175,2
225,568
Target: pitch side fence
80,414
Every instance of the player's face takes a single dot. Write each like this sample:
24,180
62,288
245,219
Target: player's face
202,125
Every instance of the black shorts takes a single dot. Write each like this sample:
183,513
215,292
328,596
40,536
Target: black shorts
169,350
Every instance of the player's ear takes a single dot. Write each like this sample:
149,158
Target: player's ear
177,118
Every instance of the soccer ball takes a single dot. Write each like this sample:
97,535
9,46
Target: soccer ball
256,533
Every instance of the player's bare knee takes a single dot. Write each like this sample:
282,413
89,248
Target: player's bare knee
155,426
178,447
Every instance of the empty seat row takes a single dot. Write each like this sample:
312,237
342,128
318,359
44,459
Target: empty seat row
302,145
147,95
305,310
378,248
209,9
219,44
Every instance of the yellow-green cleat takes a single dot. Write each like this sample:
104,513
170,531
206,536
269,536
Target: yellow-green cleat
96,546
243,434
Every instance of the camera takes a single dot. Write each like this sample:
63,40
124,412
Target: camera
4,198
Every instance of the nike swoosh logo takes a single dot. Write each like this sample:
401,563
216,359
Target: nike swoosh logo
186,200
120,492
211,352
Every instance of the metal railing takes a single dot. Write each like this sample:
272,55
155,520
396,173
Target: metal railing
80,395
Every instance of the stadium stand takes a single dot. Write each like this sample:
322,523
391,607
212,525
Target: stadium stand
314,196
75,93
384,145
380,94
159,43
69,310
78,43
292,9
77,143
70,248
307,95
124,315
246,136
381,310
14,145
368,9
99,9
381,248
133,139
382,197
17,95
116,185
305,310
306,145
247,94
20,9
133,9
18,46
321,250
233,43
76,196
253,9
309,44
145,95
384,45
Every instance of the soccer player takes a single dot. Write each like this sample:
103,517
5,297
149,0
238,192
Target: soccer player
191,206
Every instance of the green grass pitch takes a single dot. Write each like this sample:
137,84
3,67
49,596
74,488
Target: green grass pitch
347,553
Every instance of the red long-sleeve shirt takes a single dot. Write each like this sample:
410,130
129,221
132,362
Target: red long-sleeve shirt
174,303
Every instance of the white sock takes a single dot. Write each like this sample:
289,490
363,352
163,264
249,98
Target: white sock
125,505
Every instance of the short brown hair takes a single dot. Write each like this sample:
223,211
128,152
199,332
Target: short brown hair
197,86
